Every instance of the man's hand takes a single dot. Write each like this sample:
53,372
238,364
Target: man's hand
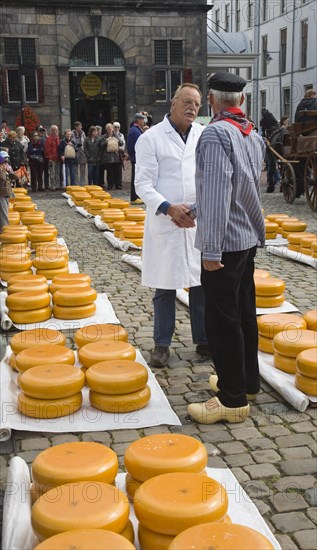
181,215
212,266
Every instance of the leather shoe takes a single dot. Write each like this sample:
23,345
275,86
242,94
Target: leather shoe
203,349
213,411
159,356
213,382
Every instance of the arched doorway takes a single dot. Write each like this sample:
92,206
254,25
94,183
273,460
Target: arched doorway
97,82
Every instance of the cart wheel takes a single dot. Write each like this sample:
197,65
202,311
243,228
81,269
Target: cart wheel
288,183
310,181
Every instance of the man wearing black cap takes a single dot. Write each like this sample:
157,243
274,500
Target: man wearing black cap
230,226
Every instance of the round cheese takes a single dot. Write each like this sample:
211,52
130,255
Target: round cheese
132,232
80,505
40,288
14,249
117,377
163,453
222,536
123,403
269,286
105,350
270,227
137,242
73,462
261,273
306,363
149,539
292,342
52,381
44,354
13,228
75,312
314,246
270,235
86,539
47,262
175,501
34,337
27,207
8,275
311,319
14,237
269,301
73,296
49,408
307,241
306,251
128,532
294,226
265,344
52,249
13,361
18,264
39,227
69,284
71,278
294,247
21,198
305,384
118,203
272,323
51,273
136,216
97,332
26,279
285,364
28,300
273,217
118,225
20,191
30,316
131,485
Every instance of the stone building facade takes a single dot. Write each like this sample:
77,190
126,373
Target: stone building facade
98,61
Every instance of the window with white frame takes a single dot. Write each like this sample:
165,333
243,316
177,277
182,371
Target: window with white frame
20,68
168,61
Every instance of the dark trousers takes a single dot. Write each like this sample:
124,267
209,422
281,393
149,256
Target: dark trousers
231,326
270,167
36,169
93,174
134,196
114,175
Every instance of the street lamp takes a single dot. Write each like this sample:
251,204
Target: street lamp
268,58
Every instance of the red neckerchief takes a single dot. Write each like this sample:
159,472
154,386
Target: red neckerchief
235,116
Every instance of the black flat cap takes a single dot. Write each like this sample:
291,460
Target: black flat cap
227,82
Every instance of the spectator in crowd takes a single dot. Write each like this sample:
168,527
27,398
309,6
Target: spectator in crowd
230,226
51,154
110,157
35,155
118,134
43,135
7,177
23,139
165,180
269,125
67,153
308,103
92,154
14,148
135,132
79,136
5,128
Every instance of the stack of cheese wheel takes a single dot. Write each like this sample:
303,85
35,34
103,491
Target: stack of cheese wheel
118,203
117,226
295,239
288,344
314,249
90,188
34,337
135,215
70,188
50,264
261,273
167,504
271,230
79,197
29,306
118,386
311,319
269,292
271,324
42,235
33,218
98,332
111,215
220,535
81,505
306,244
292,226
20,197
23,203
73,301
19,263
100,194
161,454
52,250
86,539
132,234
95,206
20,191
49,356
13,218
306,371
15,250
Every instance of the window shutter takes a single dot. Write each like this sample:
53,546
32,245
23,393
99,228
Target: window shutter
4,86
188,75
40,84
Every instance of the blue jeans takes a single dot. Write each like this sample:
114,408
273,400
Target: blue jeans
164,315
93,174
70,172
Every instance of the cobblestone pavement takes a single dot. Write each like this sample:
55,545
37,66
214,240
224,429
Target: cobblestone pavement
273,453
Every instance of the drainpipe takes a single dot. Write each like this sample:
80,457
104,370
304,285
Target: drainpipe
292,64
256,41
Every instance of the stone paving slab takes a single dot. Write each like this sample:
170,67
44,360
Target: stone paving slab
273,454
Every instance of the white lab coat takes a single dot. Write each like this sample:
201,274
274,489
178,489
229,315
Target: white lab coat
165,171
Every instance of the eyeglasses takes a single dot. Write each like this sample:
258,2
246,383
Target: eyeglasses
190,102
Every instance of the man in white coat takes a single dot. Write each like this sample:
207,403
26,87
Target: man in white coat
165,181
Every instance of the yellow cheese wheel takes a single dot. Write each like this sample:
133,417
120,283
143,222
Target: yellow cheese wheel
269,286
294,247
97,332
13,361
27,207
222,536
20,287
13,228
44,354
270,227
28,300
105,350
314,246
292,342
70,278
285,364
136,216
118,203
41,262
307,241
149,539
14,237
261,273
269,301
34,337
311,319
86,539
30,316
14,249
131,485
118,225
123,403
52,381
73,296
17,264
306,363
49,408
306,251
132,232
52,250
80,505
162,453
21,198
128,532
75,312
74,461
265,344
20,191
26,279
270,235
137,242
51,273
305,384
175,501
273,217
117,377
294,226
69,284
8,275
43,227
272,323
40,236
